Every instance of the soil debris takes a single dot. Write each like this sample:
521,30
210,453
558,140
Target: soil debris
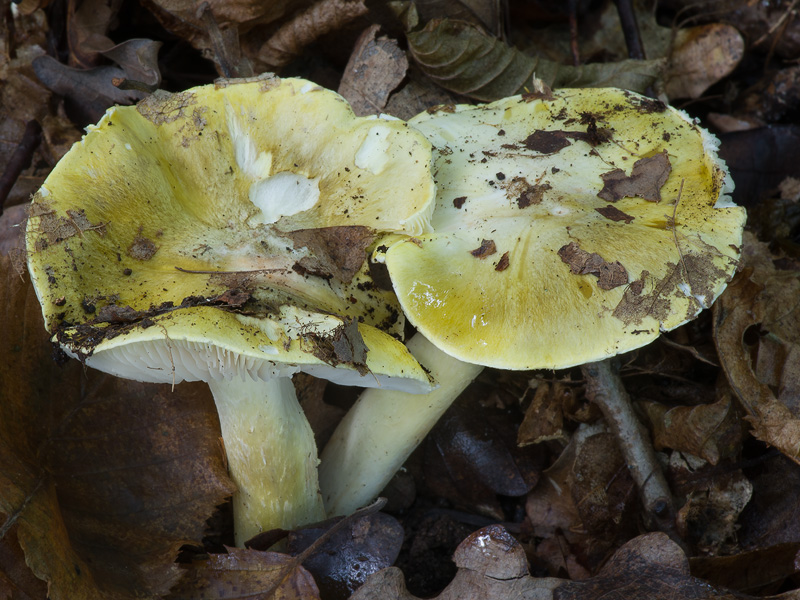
613,213
487,248
645,181
581,262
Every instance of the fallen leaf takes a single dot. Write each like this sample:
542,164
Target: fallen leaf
760,572
182,17
773,514
485,13
766,27
417,95
339,252
461,58
471,455
491,566
246,574
714,499
586,500
375,69
343,563
765,299
90,92
88,22
700,57
139,59
17,581
487,248
649,566
711,431
105,478
323,17
544,418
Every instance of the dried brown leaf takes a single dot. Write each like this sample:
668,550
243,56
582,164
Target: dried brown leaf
138,58
767,300
105,478
17,581
88,21
335,251
375,69
544,419
710,431
714,499
304,28
416,96
184,19
246,574
759,572
773,514
91,91
700,57
491,565
609,274
586,496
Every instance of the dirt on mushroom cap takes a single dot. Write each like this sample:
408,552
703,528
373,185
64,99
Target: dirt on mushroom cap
671,237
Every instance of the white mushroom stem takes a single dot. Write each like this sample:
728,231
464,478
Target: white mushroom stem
604,387
382,429
272,456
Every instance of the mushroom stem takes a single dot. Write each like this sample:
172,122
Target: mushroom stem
382,429
604,387
272,456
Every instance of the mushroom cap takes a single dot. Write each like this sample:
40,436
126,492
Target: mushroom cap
186,345
569,226
245,196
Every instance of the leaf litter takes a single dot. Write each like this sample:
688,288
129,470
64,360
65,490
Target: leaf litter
103,483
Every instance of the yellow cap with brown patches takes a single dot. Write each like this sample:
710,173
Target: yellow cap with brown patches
569,226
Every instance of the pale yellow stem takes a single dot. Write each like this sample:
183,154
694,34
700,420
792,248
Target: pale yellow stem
272,456
382,429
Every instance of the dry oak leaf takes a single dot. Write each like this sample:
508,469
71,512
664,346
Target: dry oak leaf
105,479
375,69
700,57
767,299
246,574
491,566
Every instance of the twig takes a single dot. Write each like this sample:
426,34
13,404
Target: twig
630,29
605,389
573,32
20,160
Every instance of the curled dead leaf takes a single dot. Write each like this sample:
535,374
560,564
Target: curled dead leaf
762,299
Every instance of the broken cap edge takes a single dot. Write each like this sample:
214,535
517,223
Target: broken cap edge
207,343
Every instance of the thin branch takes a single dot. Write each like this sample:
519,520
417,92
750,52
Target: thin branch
20,160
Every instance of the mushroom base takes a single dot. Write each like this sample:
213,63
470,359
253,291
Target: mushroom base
272,456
